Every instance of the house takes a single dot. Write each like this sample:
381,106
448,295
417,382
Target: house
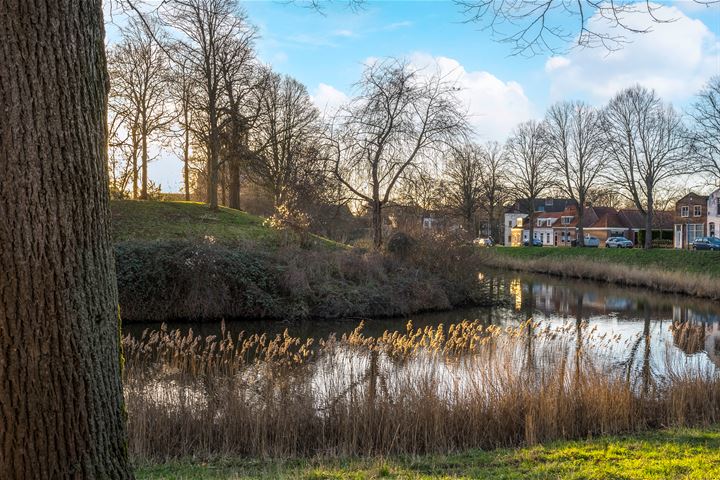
713,214
516,216
691,218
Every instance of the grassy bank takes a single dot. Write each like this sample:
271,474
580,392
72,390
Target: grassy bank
675,271
179,261
667,454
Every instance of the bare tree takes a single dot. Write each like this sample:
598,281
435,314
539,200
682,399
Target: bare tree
61,397
284,162
494,189
705,134
647,145
243,84
138,70
528,157
463,184
534,27
183,86
575,140
399,118
207,30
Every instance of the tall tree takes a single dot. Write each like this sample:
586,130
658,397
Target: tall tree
399,118
494,189
575,140
207,29
463,183
705,134
528,157
647,144
61,402
283,161
138,69
182,90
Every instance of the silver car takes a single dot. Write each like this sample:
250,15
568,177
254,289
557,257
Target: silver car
618,242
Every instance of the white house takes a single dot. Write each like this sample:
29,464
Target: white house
713,214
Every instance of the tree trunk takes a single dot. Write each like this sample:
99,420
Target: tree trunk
144,176
377,224
531,222
186,168
234,172
580,229
212,167
649,221
61,402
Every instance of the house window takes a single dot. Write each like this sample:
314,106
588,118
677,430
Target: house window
698,211
684,211
718,206
711,229
694,231
566,220
510,224
549,202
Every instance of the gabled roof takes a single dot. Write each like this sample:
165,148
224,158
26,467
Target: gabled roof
692,196
523,205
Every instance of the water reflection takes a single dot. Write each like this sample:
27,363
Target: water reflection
643,319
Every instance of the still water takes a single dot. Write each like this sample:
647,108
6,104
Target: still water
642,318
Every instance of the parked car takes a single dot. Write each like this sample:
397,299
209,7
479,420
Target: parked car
535,243
706,243
589,242
618,242
483,242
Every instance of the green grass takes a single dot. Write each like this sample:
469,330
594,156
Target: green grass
704,262
666,454
136,220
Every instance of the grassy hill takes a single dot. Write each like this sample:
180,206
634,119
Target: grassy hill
136,220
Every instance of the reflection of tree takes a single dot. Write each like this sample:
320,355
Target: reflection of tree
528,308
646,371
578,335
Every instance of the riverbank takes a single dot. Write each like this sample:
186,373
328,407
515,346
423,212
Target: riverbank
668,454
672,271
180,261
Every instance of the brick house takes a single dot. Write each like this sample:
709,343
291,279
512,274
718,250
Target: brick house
691,218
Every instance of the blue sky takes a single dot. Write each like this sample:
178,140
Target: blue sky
326,52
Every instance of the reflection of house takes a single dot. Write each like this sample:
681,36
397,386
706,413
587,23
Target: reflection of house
690,219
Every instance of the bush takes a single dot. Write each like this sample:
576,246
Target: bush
400,243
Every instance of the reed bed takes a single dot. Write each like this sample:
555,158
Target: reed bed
432,389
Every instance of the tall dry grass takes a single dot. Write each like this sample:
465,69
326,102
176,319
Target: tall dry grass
698,285
432,389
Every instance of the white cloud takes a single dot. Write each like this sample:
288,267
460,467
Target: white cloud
555,63
328,98
495,106
397,25
675,58
344,33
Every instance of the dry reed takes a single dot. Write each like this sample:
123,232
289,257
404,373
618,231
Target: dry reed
431,389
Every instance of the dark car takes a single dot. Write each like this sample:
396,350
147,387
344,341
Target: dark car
706,243
536,242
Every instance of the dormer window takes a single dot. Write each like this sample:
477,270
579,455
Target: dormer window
566,220
684,211
548,202
698,210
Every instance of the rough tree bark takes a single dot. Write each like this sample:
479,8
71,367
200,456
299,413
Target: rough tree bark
61,403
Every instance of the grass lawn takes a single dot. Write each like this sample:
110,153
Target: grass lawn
665,454
704,262
154,220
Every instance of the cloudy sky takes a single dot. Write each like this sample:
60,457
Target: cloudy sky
327,52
